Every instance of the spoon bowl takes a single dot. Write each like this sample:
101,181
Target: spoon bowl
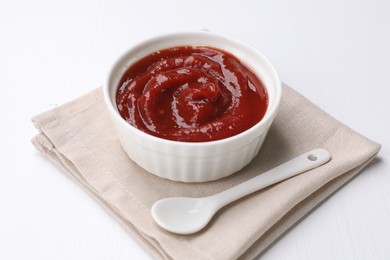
183,215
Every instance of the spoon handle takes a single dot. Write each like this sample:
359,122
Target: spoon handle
300,164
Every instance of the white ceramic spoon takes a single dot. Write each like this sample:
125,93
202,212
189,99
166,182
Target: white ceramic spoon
183,215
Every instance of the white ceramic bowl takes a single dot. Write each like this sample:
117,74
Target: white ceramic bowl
187,161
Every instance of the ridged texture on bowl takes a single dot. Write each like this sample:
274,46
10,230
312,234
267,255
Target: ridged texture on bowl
191,163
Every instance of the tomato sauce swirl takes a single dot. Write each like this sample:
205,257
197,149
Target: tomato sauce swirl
191,94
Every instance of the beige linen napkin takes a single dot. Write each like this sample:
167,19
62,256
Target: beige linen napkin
80,137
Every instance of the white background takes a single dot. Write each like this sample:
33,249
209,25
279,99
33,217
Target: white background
336,53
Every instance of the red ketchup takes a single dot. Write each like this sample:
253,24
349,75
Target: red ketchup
191,94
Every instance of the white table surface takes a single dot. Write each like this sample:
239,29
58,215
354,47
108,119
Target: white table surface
336,53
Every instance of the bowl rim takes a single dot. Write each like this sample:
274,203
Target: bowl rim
269,115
